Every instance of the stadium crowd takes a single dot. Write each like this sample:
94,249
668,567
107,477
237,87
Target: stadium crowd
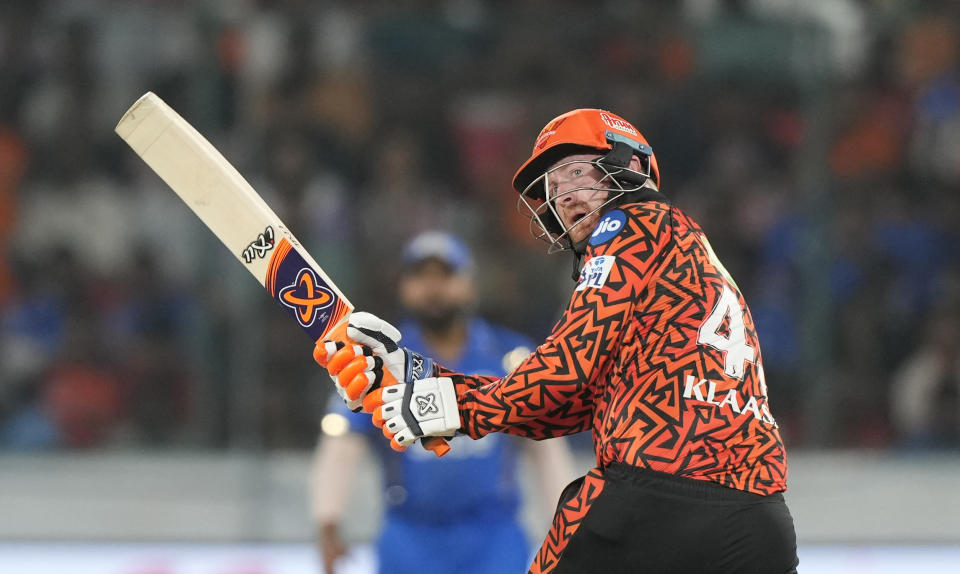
828,178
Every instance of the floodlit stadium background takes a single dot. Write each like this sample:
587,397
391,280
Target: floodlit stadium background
157,413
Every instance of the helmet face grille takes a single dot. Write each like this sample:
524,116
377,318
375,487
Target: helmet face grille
538,201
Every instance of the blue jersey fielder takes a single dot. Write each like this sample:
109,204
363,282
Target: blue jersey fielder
474,526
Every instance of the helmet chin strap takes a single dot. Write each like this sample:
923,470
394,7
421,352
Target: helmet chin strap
579,249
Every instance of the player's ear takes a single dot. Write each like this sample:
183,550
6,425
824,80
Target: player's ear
640,165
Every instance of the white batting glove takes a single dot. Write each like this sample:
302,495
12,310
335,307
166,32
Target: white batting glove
409,411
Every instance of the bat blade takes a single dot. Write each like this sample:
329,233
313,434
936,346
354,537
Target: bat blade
234,212
238,216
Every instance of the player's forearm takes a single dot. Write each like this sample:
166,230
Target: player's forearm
551,393
464,382
500,410
533,401
332,476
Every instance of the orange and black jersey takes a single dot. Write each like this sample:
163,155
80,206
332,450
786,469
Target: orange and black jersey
656,353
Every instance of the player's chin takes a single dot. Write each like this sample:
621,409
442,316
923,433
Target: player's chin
439,316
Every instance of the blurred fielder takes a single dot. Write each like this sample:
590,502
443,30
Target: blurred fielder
656,353
441,515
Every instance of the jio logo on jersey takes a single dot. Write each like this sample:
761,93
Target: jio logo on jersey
610,225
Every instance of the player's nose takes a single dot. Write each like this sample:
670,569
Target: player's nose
566,193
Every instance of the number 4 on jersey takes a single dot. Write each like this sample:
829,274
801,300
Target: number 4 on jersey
724,330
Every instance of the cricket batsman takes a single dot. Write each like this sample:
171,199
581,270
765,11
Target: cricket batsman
656,354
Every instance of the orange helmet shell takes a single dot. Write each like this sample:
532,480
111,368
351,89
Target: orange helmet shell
582,128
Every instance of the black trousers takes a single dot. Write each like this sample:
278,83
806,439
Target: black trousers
655,523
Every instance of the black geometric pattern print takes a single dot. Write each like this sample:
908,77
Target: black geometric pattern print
566,522
659,358
628,360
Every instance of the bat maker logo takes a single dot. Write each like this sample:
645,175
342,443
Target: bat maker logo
306,296
259,247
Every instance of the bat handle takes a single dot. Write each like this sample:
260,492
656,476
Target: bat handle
435,444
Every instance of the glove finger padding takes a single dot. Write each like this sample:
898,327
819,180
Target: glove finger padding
360,376
344,355
354,405
323,350
382,338
353,368
323,353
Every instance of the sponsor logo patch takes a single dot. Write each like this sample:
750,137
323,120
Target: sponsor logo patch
542,140
608,227
595,272
548,132
618,124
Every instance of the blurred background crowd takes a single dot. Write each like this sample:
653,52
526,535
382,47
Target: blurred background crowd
817,143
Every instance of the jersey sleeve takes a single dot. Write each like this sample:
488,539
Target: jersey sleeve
551,393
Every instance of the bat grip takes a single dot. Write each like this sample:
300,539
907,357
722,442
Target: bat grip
435,444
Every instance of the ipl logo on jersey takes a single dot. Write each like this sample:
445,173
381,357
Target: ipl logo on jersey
609,226
306,296
595,272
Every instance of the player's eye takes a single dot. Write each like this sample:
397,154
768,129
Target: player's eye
576,172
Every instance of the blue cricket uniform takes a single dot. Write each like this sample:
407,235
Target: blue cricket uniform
459,513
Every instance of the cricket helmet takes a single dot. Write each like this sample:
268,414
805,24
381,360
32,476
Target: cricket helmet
583,131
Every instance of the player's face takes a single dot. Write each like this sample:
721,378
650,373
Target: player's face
435,294
570,186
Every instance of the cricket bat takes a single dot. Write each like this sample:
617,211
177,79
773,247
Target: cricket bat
242,220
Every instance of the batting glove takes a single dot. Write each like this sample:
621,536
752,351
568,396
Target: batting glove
353,369
371,357
409,411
